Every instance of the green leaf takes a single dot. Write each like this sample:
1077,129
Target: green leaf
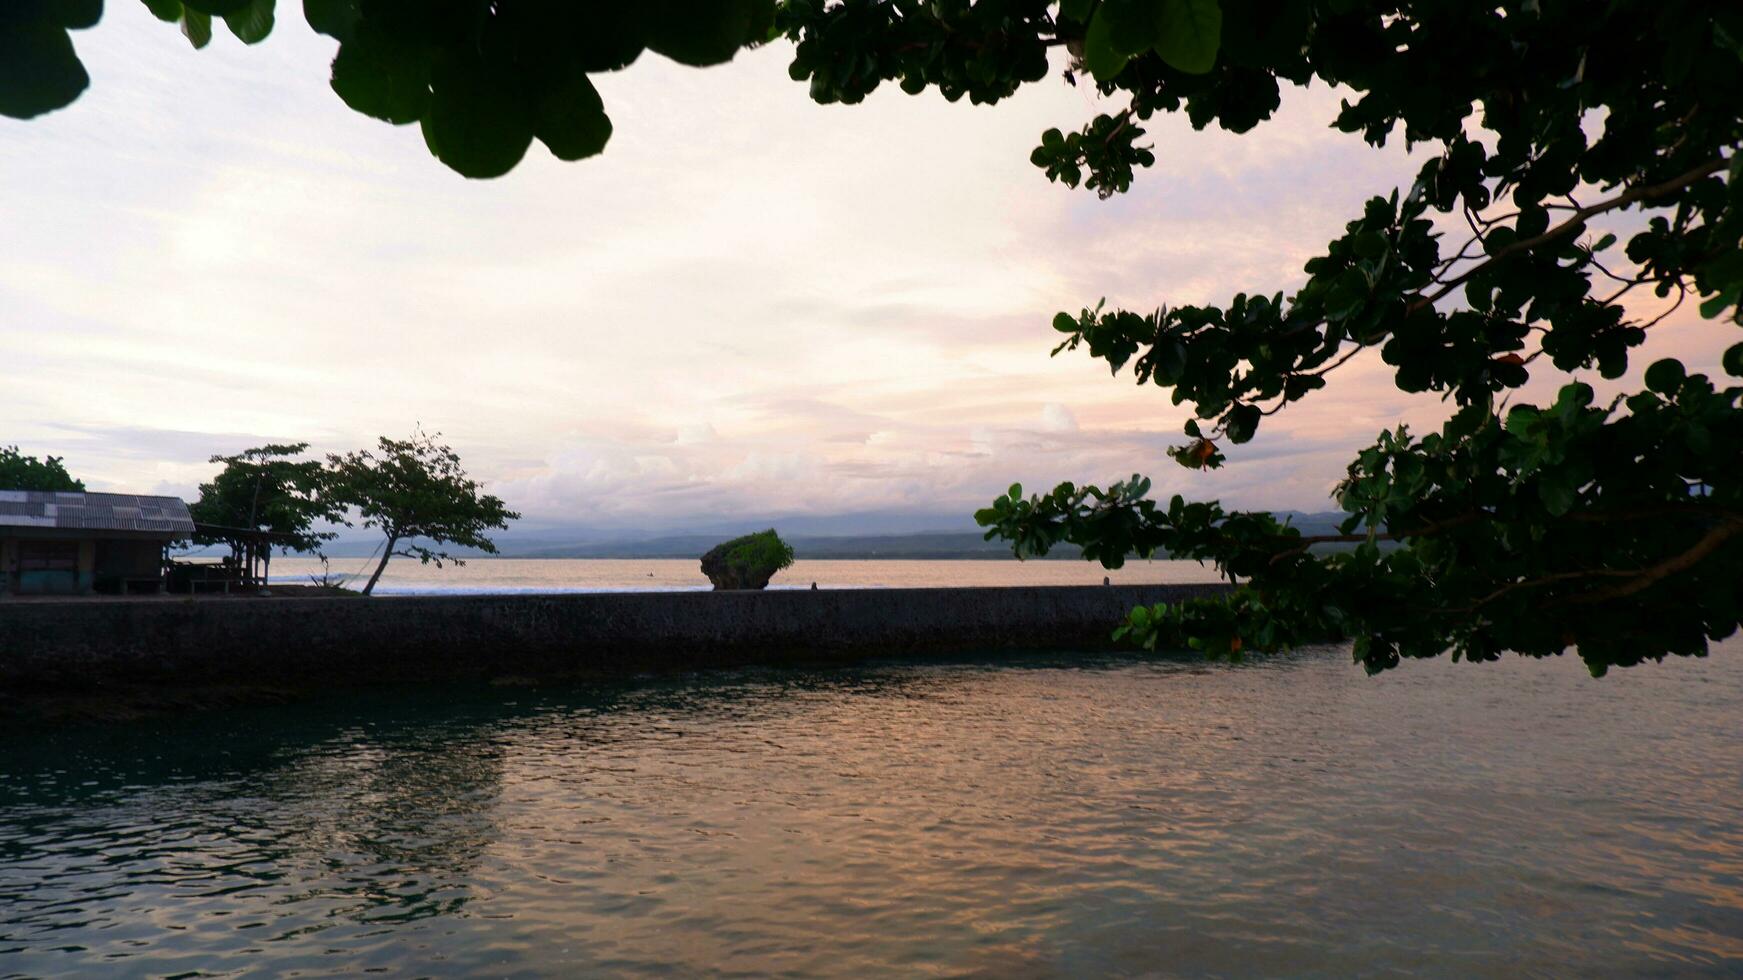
168,11
252,23
1604,243
1665,376
571,119
383,77
78,14
334,18
1716,304
1076,10
216,8
1557,494
39,72
702,32
1733,361
1100,55
1188,33
197,27
1725,270
1170,362
1349,293
1241,422
1369,244
612,36
476,124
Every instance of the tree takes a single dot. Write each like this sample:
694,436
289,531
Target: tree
1559,128
266,497
1614,528
415,489
20,472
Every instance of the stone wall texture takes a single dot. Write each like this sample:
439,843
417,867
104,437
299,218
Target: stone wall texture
75,643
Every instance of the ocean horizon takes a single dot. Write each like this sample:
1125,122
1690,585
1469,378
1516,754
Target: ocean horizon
512,576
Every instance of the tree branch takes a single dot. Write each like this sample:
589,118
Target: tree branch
1646,577
1577,220
1639,578
1433,527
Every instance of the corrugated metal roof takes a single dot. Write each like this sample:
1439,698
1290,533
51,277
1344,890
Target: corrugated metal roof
94,512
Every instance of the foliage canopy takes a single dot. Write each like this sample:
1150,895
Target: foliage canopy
21,472
270,490
263,498
415,489
481,78
1583,181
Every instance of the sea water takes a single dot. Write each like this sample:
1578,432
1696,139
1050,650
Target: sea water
1058,815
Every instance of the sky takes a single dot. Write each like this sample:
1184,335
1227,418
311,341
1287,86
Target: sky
750,306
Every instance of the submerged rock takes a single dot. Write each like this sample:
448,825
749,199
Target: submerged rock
748,562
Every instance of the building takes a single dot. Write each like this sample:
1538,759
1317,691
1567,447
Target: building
76,543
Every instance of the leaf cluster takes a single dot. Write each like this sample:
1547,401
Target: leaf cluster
415,489
272,490
1611,529
21,472
484,78
481,78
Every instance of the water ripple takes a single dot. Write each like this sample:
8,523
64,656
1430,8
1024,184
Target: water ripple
1051,816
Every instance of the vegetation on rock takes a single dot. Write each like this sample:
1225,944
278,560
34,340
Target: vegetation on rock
747,562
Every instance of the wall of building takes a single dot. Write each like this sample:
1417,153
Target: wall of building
352,640
129,558
87,565
104,562
27,575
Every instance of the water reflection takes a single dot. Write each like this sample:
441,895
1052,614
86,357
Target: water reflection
143,840
1047,816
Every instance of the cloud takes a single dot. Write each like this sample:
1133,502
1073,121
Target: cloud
1057,418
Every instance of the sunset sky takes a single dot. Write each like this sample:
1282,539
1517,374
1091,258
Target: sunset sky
750,305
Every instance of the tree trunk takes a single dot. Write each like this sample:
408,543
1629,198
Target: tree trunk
385,555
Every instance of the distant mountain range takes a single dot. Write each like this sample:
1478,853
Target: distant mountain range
812,538
934,544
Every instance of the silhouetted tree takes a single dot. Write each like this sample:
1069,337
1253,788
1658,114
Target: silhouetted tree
21,472
415,489
269,491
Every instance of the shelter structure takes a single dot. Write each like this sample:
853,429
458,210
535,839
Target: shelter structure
63,543
247,566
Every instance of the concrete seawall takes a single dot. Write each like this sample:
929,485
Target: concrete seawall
77,644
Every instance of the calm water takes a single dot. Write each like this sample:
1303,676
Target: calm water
1050,816
405,577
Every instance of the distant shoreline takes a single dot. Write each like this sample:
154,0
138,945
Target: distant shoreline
629,545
